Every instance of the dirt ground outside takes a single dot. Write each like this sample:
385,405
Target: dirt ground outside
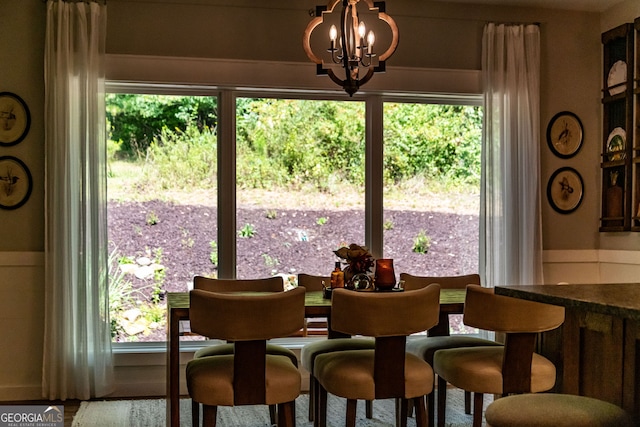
178,236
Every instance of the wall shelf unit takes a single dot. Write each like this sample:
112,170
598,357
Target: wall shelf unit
635,204
619,156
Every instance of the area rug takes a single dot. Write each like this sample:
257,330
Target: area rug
152,413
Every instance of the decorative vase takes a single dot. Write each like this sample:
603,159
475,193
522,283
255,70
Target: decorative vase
356,280
348,277
385,276
361,282
614,200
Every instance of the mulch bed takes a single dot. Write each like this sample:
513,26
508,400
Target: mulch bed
292,242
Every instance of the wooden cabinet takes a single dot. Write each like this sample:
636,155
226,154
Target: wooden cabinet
618,161
635,203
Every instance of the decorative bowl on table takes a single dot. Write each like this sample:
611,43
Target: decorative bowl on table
361,282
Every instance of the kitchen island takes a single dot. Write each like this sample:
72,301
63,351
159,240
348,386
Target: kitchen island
600,340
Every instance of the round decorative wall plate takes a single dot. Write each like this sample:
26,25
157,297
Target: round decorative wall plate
14,119
564,190
565,134
15,183
617,77
616,144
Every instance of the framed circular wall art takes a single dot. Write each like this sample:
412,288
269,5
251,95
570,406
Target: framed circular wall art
565,190
14,119
15,183
565,134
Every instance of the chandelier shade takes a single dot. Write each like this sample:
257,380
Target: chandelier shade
348,47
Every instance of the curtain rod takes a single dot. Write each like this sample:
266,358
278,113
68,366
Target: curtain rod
80,1
514,23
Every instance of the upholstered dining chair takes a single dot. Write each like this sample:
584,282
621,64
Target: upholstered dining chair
269,284
265,284
412,282
387,370
510,369
426,346
249,376
316,326
310,351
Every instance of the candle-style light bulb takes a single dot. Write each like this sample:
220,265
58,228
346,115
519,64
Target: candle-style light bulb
371,38
333,34
362,30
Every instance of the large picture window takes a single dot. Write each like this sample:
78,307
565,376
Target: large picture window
299,185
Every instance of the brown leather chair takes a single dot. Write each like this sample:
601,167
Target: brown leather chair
386,371
249,376
316,326
509,369
269,284
439,336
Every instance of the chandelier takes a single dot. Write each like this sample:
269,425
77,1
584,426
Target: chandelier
351,47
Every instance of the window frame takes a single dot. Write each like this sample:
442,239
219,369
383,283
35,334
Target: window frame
226,132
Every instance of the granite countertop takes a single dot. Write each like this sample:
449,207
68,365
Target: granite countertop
615,299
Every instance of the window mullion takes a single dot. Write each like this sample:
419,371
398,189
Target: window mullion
227,185
374,158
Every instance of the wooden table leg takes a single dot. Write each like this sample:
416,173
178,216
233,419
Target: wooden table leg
173,371
442,328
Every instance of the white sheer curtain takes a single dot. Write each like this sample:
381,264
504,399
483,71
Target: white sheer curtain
77,343
510,213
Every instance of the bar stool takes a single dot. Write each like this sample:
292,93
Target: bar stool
439,337
512,369
554,410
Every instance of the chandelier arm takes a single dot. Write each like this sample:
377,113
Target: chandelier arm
306,39
366,77
333,4
394,36
335,78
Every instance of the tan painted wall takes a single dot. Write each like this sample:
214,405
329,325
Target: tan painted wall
22,29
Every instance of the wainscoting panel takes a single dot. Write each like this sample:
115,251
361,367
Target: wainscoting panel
22,314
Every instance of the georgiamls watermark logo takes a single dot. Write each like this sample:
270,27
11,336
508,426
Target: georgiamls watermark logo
31,416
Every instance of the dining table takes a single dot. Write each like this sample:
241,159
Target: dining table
316,305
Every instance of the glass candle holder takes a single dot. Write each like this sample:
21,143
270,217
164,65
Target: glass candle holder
385,276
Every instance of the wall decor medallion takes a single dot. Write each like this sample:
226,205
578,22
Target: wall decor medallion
14,119
565,190
15,183
565,134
